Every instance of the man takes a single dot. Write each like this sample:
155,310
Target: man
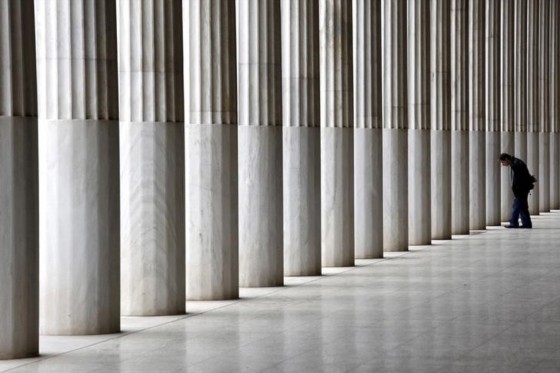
521,184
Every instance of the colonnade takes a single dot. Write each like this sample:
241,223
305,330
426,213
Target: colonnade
161,151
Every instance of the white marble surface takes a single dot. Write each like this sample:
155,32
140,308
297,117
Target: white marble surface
302,201
533,99
493,178
152,218
477,180
419,187
544,106
79,226
532,162
460,196
543,173
477,303
555,171
19,238
337,197
441,184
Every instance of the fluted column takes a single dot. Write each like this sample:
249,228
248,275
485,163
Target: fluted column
395,126
520,79
419,176
459,117
260,143
507,103
211,168
19,225
493,143
151,156
543,172
368,166
533,97
79,166
477,125
337,136
554,40
441,118
301,137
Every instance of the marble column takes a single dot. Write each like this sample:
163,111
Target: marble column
459,117
477,125
554,39
260,143
151,158
211,168
533,97
337,136
301,137
493,88
78,166
368,165
507,103
520,79
395,126
419,175
543,172
19,224
441,118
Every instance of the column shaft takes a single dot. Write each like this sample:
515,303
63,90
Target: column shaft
554,40
79,166
477,134
260,143
533,97
507,50
543,172
301,137
151,156
520,79
337,137
419,176
19,224
395,126
459,117
441,118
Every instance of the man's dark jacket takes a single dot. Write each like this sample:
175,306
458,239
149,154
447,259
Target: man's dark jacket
522,182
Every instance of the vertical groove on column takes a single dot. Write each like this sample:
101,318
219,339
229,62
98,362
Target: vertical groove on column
459,117
533,97
395,126
260,143
19,226
554,106
543,172
337,142
368,166
419,176
301,137
477,148
520,79
79,167
492,73
151,156
211,168
507,102
441,119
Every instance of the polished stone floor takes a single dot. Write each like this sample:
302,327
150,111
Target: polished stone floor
488,302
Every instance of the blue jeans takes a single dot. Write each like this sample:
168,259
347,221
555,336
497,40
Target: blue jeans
520,208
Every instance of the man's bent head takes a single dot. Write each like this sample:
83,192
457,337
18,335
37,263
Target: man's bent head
505,159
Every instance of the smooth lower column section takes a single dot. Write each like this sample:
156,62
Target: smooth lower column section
368,165
507,138
337,136
79,222
493,141
544,108
211,154
301,138
152,218
554,171
419,175
533,97
19,181
459,118
260,144
19,235
395,126
151,159
477,134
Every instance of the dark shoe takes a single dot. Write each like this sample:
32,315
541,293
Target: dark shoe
511,226
526,226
